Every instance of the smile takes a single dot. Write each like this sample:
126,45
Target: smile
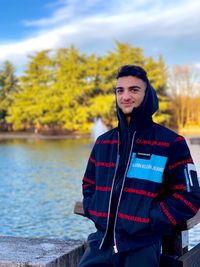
127,104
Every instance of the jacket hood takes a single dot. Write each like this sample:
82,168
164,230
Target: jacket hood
142,114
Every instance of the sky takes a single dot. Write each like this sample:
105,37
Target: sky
160,27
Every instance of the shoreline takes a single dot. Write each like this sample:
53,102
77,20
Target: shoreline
36,136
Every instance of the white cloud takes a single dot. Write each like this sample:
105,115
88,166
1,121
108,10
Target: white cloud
159,28
70,10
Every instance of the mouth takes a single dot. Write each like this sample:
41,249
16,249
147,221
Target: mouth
127,104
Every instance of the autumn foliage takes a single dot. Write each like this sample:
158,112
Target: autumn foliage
65,90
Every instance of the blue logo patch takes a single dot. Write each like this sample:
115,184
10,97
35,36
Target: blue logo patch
151,168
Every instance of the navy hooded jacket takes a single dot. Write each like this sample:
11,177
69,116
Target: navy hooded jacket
158,190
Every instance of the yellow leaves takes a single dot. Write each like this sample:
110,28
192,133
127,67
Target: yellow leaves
68,89
101,105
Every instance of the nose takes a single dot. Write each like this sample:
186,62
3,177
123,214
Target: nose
126,95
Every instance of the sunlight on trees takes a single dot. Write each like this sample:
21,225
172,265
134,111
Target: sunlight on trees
184,90
63,91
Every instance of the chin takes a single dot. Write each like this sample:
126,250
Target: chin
127,112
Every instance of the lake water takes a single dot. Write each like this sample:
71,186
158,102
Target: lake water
40,181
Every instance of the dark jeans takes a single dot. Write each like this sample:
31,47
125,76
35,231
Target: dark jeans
145,257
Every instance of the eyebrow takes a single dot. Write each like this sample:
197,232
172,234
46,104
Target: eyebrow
130,87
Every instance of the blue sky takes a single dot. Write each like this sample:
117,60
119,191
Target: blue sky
160,27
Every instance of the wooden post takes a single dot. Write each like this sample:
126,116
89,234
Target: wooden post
78,208
174,244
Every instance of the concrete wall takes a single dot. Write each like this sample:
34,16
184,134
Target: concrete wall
17,251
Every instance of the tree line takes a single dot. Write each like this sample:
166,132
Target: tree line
184,91
63,91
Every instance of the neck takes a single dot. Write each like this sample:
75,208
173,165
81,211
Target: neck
128,119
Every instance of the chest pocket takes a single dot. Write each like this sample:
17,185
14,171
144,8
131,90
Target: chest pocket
147,167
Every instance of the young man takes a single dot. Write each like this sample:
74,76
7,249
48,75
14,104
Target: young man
140,181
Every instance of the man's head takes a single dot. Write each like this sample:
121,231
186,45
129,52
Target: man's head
130,89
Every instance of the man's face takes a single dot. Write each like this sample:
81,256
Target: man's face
130,93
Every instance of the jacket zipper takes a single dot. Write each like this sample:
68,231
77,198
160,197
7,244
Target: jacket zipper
109,206
115,249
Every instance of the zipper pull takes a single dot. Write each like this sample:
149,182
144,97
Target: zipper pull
115,250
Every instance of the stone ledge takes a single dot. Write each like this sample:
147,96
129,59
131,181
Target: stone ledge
37,252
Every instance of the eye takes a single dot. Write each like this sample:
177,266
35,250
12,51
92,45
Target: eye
134,90
119,90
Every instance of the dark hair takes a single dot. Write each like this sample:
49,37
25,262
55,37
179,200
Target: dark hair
132,70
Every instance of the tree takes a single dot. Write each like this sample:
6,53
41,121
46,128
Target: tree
30,101
125,54
157,76
72,82
8,84
183,84
67,90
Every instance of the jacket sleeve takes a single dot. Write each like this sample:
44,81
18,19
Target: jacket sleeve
89,183
181,198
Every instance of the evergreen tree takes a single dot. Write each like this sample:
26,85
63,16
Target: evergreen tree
8,84
31,100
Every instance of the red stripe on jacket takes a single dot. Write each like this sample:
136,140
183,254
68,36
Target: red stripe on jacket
86,186
103,164
103,188
133,218
140,192
99,214
107,142
180,187
172,166
187,203
88,180
152,143
169,216
179,139
93,160
106,164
